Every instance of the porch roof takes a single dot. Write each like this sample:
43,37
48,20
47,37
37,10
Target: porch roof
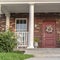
24,8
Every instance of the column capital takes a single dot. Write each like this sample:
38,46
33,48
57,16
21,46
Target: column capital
7,14
1,9
31,3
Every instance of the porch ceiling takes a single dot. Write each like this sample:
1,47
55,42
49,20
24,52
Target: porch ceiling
24,8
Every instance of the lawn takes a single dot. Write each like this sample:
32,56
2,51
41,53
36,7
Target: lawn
14,56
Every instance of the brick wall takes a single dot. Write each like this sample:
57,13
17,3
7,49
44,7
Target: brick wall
58,32
12,24
39,19
2,22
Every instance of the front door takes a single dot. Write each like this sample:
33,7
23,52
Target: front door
48,35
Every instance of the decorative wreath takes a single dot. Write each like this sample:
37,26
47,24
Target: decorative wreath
49,29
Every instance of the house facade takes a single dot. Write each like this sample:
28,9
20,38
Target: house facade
31,19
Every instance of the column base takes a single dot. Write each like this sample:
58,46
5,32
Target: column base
30,47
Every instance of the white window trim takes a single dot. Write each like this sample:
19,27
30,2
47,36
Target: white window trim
19,19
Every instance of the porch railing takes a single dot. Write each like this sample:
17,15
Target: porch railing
22,38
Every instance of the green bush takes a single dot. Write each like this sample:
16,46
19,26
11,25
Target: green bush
7,41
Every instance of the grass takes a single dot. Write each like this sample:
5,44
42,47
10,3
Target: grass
14,56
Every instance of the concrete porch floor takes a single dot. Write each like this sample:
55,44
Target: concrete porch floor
44,58
44,53
39,52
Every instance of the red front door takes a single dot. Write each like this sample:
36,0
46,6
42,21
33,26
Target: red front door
48,35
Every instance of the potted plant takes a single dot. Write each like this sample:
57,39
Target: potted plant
58,42
36,42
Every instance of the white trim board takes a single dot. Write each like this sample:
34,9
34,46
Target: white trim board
27,2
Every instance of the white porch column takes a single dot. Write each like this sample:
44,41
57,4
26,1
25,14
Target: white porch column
31,27
7,21
0,9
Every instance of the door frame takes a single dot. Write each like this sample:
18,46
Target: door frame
20,19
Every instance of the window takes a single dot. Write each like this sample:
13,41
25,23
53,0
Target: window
21,25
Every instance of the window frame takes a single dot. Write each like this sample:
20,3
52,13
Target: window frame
20,19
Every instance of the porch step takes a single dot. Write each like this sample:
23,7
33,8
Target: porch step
43,51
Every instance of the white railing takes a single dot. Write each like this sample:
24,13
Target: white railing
22,38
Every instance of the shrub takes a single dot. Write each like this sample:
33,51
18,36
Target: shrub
7,41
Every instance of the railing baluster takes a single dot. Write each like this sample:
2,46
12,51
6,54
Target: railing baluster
22,36
26,37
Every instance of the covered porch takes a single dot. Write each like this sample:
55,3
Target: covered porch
28,22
